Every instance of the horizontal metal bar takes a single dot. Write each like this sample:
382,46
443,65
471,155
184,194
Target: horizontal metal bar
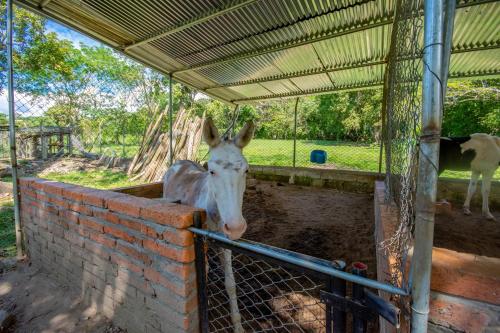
320,91
191,23
314,71
292,258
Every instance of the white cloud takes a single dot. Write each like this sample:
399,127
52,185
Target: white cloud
4,108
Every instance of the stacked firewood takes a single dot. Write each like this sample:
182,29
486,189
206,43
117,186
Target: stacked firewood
152,160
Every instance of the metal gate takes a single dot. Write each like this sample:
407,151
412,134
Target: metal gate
283,291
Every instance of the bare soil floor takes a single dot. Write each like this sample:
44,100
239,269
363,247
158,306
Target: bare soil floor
41,305
471,234
324,223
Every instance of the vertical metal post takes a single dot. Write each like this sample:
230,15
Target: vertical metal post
201,276
449,22
295,132
170,119
358,294
12,129
383,115
338,287
432,101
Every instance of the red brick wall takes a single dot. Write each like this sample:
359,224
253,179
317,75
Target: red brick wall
131,257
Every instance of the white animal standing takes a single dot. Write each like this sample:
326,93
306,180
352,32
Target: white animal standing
219,191
485,163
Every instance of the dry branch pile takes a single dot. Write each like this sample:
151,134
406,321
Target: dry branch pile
152,159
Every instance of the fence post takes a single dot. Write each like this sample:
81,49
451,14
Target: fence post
170,120
358,324
432,102
295,132
201,274
338,287
12,129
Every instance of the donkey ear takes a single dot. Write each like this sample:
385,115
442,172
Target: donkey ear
210,133
245,135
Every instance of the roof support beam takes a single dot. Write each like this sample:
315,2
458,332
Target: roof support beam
190,23
330,90
304,41
301,74
320,91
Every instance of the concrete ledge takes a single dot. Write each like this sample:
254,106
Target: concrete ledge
465,287
345,180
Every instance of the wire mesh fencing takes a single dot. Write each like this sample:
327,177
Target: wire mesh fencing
271,298
402,106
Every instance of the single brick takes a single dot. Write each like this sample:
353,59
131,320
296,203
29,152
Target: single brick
79,229
56,230
178,236
97,248
75,192
131,223
178,216
99,198
102,239
180,287
180,254
26,191
104,214
181,271
61,202
136,280
25,182
74,238
69,216
55,188
92,223
80,208
129,205
38,184
133,251
121,233
126,262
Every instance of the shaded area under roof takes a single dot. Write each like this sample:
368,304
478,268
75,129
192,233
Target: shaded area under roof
241,51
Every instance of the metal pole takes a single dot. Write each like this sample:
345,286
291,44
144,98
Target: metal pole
295,132
297,259
201,275
170,119
432,101
339,288
12,129
449,22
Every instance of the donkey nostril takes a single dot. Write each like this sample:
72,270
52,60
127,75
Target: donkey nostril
226,228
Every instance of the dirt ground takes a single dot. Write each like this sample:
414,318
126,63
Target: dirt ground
41,305
324,223
471,234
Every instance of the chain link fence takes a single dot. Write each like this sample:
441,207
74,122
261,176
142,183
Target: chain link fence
402,106
271,298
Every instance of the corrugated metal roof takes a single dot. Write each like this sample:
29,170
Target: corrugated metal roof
246,50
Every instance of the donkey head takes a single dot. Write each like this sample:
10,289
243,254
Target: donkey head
227,169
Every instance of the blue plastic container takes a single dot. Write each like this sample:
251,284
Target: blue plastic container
318,156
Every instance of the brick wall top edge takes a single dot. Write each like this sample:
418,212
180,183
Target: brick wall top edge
176,215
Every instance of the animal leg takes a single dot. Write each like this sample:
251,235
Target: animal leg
470,192
485,189
230,285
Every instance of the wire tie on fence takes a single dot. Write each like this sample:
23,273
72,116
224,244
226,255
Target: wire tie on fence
420,312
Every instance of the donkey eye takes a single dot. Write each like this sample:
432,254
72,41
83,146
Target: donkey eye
212,173
246,171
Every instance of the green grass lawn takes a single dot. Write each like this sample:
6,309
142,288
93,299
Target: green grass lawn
100,178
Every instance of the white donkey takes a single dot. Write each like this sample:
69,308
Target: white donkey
219,191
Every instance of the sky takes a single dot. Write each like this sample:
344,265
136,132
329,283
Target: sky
63,33
77,38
